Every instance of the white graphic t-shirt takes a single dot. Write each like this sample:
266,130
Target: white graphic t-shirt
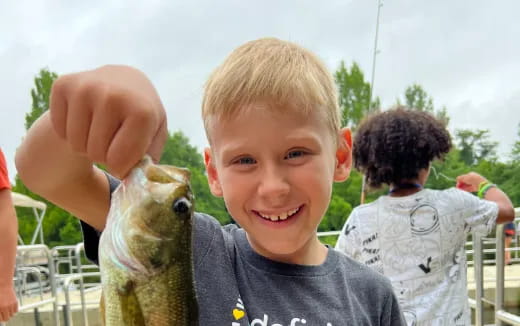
417,241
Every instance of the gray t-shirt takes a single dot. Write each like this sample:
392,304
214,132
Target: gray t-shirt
237,287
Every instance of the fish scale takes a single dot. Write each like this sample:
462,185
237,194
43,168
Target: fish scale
145,250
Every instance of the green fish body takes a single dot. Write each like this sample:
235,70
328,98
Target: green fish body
145,251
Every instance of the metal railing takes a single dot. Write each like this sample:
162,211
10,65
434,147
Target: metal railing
64,259
488,245
78,271
80,247
501,315
37,273
20,278
67,282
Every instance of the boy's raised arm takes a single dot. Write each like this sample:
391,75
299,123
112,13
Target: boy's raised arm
111,115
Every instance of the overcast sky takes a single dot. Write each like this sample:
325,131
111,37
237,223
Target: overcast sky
465,54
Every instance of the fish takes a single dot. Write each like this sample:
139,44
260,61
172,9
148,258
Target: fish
145,250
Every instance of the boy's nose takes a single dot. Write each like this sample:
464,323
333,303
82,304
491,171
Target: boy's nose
273,185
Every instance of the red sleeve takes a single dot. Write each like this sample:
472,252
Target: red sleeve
4,177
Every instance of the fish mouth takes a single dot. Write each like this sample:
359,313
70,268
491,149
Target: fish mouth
279,217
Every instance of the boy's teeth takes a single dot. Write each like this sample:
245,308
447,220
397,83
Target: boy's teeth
281,217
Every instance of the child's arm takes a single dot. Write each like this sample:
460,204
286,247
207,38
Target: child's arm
8,234
111,115
470,182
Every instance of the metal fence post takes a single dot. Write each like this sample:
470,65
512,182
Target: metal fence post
79,248
52,279
37,321
65,315
499,286
479,279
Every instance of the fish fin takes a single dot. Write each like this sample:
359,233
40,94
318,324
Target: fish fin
131,309
157,174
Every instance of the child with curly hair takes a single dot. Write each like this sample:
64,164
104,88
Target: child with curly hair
8,233
415,236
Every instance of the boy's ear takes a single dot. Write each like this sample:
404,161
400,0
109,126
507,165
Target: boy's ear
343,156
211,171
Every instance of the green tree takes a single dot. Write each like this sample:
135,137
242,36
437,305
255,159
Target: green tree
336,215
442,115
507,177
475,146
515,152
179,152
350,190
417,98
354,95
59,226
443,172
40,96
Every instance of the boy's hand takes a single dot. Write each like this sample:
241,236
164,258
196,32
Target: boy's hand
8,303
470,181
112,115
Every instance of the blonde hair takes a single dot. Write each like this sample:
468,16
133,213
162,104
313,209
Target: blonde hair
274,71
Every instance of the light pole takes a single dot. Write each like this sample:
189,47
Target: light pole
376,51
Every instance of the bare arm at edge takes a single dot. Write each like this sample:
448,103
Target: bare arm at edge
8,241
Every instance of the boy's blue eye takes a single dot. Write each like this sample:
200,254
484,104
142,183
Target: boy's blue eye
295,154
245,160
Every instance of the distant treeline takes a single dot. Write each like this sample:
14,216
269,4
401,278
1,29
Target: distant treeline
474,150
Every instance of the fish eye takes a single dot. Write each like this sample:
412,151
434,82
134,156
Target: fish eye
181,205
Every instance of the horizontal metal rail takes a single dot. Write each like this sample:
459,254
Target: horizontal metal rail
46,253
67,281
507,317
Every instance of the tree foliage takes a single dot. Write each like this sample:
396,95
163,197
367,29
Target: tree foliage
474,150
515,151
59,226
416,98
354,95
179,152
475,146
40,96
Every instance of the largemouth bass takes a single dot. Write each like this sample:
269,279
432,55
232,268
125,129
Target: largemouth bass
145,253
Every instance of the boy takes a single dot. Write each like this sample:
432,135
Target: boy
8,233
272,122
416,236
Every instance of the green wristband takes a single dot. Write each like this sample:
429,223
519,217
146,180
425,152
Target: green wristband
482,184
484,189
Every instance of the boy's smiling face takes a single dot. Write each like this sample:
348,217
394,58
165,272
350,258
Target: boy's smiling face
275,171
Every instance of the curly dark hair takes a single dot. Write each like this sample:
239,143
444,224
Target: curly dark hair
395,145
